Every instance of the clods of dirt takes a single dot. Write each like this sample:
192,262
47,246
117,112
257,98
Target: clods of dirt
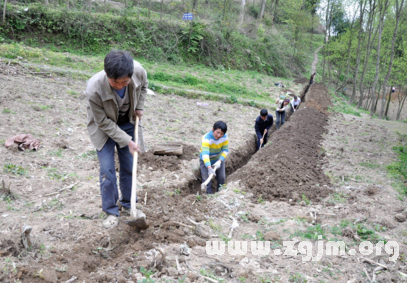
371,190
169,162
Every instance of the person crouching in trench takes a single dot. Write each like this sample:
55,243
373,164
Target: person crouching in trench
214,149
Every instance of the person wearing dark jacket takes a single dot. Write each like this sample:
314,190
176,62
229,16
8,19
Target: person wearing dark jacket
262,127
311,79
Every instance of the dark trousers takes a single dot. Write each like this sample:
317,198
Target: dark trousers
295,107
220,176
264,141
108,180
280,119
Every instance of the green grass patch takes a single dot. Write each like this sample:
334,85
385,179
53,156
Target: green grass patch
7,111
370,165
311,233
341,105
15,169
398,170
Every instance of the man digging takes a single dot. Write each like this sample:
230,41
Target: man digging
262,127
214,149
115,96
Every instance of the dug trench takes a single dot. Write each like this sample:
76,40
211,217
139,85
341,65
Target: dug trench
287,168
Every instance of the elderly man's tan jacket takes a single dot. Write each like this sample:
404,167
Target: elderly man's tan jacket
103,111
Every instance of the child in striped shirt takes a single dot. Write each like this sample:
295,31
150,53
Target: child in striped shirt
214,149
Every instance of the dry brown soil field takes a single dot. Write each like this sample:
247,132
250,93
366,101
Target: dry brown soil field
320,174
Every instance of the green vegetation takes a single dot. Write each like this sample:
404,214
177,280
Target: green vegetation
176,42
340,105
147,274
370,165
311,233
398,170
214,226
91,155
298,278
7,111
15,169
305,199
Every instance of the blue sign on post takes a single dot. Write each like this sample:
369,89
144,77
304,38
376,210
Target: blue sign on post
188,16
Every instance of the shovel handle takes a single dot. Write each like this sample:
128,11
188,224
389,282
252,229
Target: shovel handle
134,177
203,185
262,139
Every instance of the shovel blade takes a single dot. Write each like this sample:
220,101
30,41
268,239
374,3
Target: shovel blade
139,223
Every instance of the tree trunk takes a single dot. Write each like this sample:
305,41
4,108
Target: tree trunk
4,12
326,41
67,5
398,14
125,3
368,47
388,103
105,3
263,6
161,15
401,103
224,10
149,9
138,9
275,11
241,12
90,5
46,3
382,12
362,12
194,5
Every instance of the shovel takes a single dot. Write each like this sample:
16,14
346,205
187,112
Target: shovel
262,140
204,184
138,217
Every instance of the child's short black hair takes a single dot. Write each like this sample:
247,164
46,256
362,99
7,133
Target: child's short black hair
119,64
220,125
263,112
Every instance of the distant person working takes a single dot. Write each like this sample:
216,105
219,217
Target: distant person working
280,84
214,149
280,111
262,127
312,78
295,103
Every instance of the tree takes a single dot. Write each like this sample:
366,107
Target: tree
362,6
399,9
4,12
383,5
369,45
263,5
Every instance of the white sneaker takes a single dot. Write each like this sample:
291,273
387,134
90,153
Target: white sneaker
111,221
126,211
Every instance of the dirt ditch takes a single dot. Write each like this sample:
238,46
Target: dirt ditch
289,166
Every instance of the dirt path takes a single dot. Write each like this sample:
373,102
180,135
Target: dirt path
315,62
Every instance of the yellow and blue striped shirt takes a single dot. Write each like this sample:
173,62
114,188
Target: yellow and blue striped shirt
212,150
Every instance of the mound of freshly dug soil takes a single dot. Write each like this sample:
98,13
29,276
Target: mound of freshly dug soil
290,165
317,98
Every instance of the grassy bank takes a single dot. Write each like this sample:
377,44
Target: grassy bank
398,171
197,81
